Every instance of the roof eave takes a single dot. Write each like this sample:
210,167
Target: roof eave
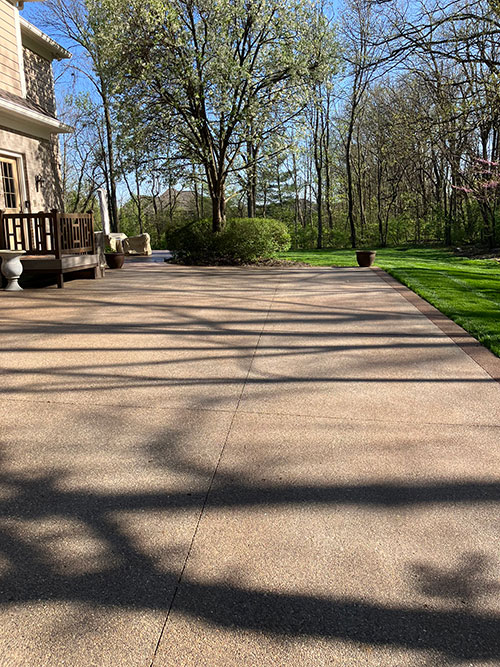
43,41
39,123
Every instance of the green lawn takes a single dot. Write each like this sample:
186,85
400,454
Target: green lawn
466,290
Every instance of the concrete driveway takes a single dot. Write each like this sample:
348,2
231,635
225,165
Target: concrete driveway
221,466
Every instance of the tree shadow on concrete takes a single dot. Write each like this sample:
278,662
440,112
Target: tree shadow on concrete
36,563
130,578
463,584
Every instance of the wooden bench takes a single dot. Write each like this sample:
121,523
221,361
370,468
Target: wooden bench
55,243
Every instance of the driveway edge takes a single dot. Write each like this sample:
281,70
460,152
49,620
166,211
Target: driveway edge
473,348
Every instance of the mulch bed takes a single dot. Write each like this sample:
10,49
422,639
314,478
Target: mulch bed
477,252
281,263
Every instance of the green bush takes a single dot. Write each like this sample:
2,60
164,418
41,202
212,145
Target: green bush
243,240
190,242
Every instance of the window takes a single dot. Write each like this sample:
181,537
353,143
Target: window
10,197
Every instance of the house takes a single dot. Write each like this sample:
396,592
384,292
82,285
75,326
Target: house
29,168
31,221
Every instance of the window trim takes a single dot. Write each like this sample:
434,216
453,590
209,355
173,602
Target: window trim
21,183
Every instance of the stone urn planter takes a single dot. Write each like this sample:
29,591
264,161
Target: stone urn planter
114,260
12,268
365,257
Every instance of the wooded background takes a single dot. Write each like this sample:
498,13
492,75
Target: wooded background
365,123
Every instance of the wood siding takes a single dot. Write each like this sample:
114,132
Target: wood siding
10,76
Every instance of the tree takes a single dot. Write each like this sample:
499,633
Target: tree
81,22
81,153
217,68
361,30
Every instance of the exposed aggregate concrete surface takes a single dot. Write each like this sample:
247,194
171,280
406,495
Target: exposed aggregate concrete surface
244,466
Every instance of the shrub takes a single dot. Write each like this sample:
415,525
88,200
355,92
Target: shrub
243,240
191,242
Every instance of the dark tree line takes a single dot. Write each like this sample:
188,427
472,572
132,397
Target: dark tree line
376,126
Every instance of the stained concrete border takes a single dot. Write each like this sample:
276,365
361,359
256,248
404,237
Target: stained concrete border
480,354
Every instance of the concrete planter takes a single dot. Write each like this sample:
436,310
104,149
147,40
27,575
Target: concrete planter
12,268
365,257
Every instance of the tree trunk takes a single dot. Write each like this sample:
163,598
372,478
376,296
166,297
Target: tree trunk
218,208
379,206
318,163
112,203
328,189
359,184
297,212
139,200
217,190
326,150
489,224
320,211
196,194
251,179
278,184
350,189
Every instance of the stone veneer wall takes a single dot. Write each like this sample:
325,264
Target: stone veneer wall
40,157
39,81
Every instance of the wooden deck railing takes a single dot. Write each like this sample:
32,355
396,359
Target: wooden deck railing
50,233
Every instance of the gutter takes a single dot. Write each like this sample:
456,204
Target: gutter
42,40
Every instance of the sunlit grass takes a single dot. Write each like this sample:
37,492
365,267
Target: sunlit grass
466,290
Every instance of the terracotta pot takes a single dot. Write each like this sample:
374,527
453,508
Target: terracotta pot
114,260
365,257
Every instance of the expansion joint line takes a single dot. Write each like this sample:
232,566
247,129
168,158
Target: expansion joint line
212,479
